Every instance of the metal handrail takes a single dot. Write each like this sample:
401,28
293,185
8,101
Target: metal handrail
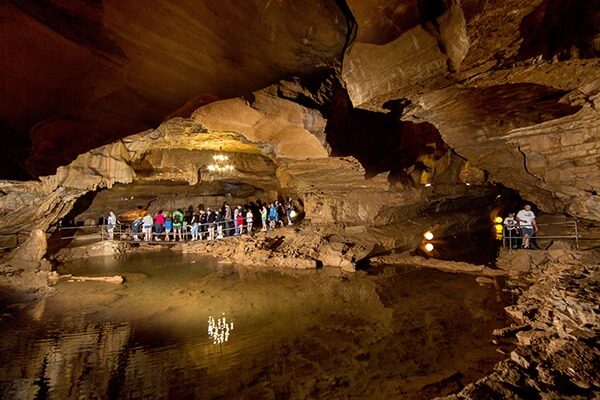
510,237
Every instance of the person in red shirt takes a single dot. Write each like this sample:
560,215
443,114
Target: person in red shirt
240,220
159,225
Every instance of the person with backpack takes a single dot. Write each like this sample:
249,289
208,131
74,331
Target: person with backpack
280,213
273,218
136,228
177,224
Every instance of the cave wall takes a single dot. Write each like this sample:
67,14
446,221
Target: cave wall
510,86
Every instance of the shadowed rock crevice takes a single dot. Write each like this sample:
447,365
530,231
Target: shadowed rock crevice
549,30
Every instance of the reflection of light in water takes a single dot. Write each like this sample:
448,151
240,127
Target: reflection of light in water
429,247
428,235
219,330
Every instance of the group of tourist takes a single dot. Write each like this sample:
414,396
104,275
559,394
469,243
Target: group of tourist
521,228
210,223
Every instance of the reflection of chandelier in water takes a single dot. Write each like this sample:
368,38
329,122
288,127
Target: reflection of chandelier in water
218,330
220,164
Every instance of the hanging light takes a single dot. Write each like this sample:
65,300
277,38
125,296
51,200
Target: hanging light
428,235
220,164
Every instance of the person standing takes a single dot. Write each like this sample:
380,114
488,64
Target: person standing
239,220
273,218
249,218
194,222
147,223
263,218
289,207
511,231
526,219
136,227
203,225
210,220
159,224
226,219
177,224
168,227
110,225
236,230
220,221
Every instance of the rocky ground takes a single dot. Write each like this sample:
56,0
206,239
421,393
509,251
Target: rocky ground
557,330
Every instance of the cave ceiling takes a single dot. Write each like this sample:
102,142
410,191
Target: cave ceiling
510,87
100,70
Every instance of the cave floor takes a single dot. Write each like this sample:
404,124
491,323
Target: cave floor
408,332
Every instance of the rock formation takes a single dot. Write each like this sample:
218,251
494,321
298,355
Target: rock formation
382,119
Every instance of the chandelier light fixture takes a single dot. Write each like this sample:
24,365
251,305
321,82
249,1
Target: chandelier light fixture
220,164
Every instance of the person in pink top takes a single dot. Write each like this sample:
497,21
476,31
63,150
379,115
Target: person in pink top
159,225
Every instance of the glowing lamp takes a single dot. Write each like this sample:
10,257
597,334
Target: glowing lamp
498,220
293,214
428,185
428,235
429,247
498,227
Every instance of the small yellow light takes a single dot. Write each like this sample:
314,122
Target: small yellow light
498,227
428,235
429,247
498,220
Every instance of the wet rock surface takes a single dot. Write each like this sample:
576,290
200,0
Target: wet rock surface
557,353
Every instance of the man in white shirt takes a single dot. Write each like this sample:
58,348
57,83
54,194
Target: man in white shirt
526,219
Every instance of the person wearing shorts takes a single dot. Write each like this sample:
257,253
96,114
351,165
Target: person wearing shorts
147,223
526,219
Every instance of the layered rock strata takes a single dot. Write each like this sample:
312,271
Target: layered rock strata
557,350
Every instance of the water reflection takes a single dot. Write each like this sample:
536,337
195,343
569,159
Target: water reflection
408,333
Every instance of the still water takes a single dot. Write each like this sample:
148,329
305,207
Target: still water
405,333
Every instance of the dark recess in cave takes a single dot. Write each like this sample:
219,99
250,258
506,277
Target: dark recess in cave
381,142
549,30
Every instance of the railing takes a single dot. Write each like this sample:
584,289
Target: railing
123,232
219,228
510,235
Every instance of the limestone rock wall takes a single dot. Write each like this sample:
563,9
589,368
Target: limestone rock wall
507,84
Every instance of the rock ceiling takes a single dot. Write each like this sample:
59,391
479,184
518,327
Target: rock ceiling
513,87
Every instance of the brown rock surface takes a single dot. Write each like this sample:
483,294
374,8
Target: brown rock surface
120,67
558,357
